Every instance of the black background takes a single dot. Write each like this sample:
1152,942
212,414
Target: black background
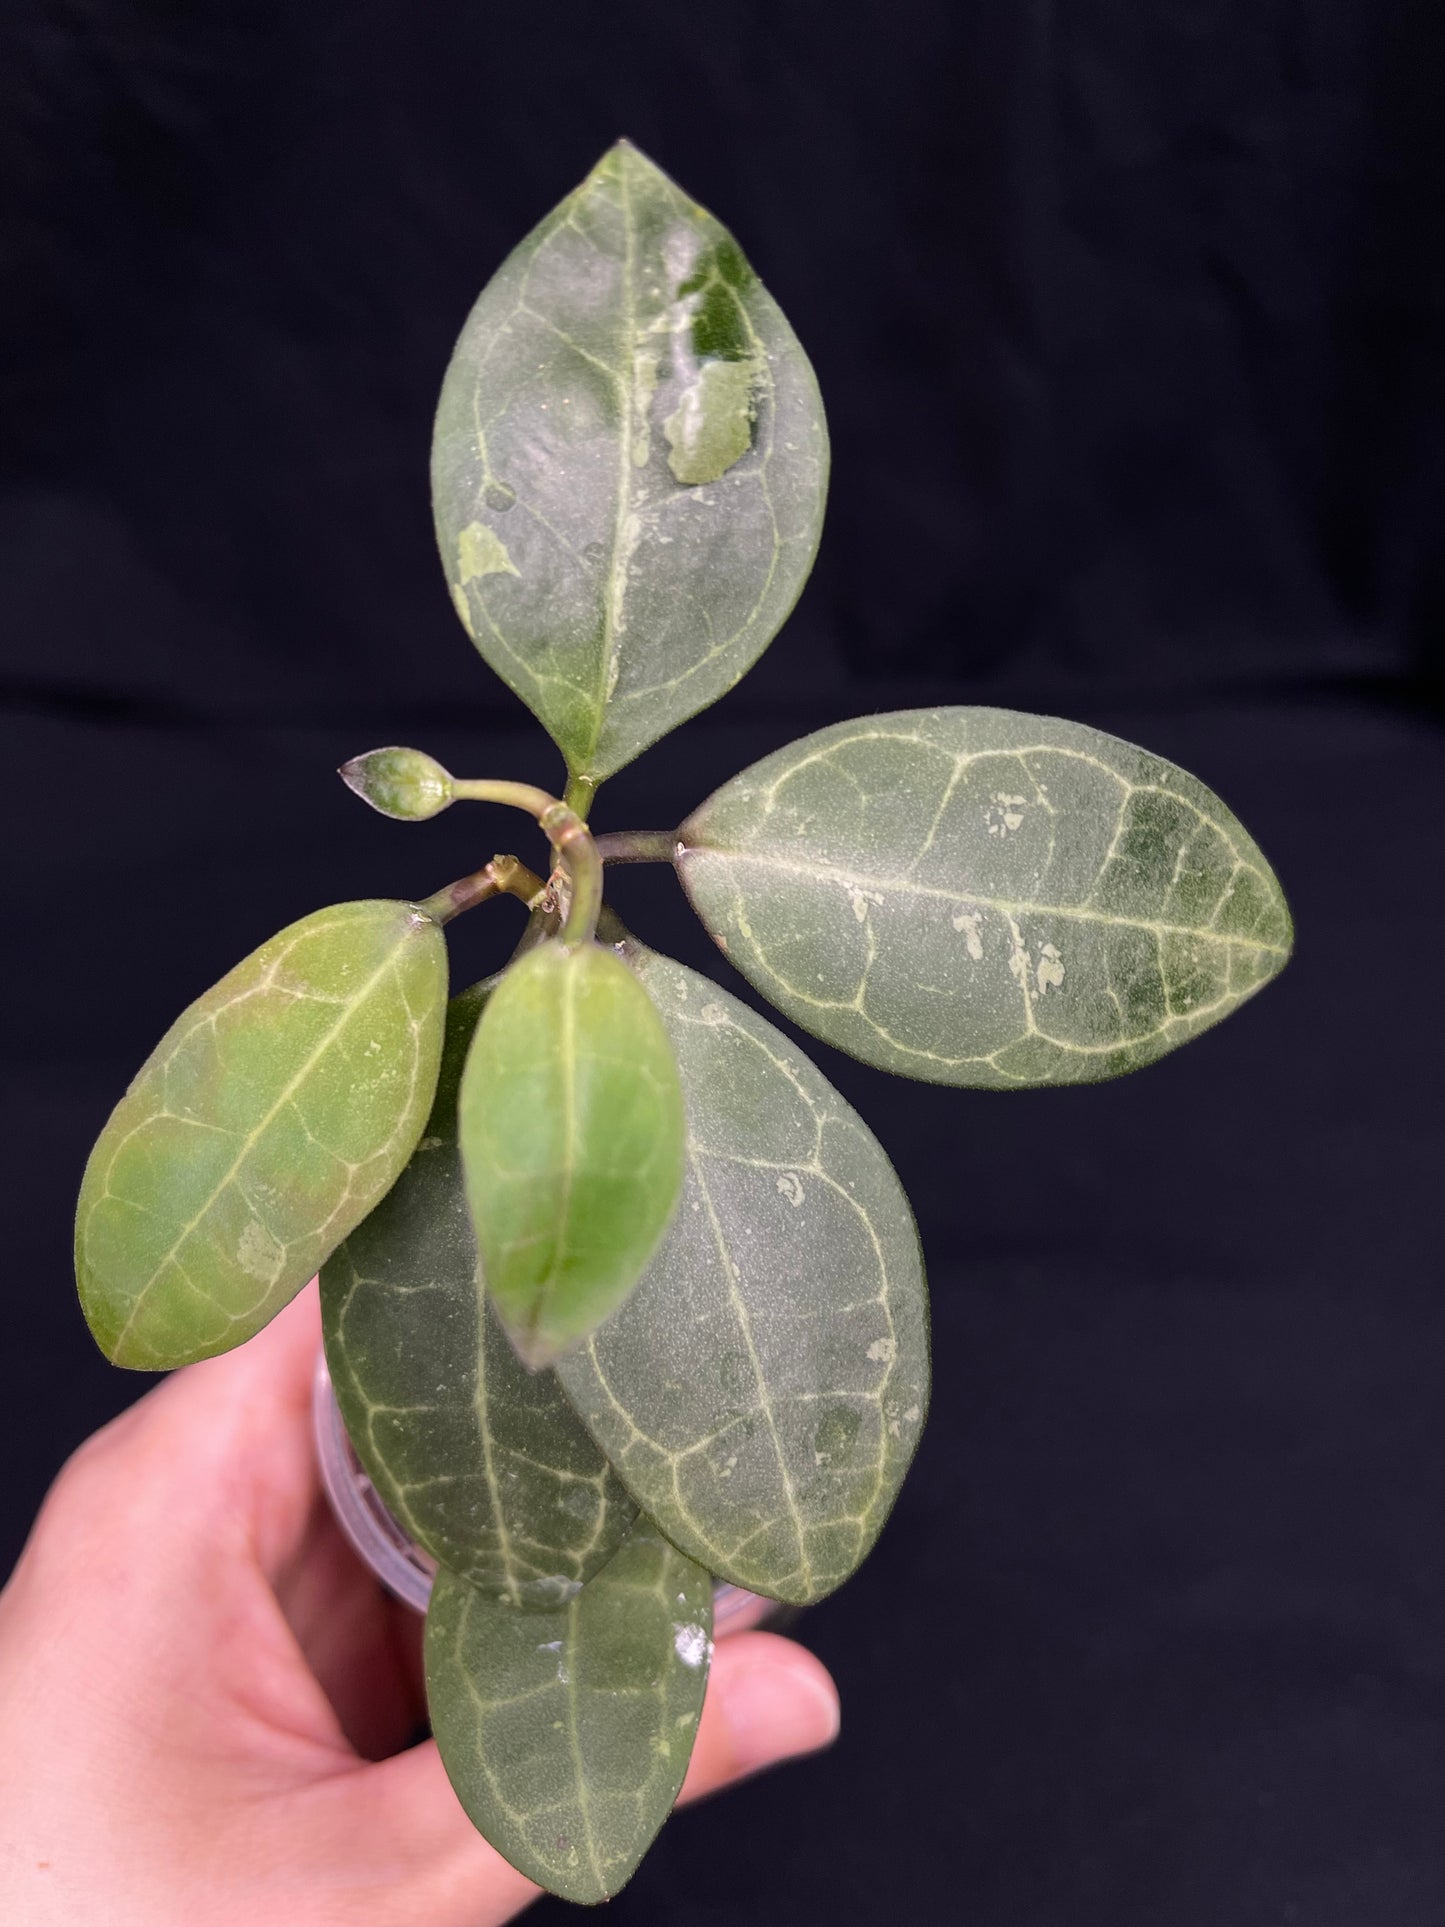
1129,319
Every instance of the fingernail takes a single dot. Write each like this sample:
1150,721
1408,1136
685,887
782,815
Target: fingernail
780,1706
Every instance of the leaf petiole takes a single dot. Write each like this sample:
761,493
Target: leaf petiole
503,876
637,846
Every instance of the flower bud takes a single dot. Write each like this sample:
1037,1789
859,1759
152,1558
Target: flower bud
399,782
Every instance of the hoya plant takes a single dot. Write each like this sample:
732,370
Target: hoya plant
620,1296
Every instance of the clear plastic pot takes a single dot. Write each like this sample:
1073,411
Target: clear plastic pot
399,1563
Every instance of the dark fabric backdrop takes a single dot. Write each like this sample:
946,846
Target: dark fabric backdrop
1129,320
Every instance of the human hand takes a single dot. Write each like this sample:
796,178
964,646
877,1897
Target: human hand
206,1701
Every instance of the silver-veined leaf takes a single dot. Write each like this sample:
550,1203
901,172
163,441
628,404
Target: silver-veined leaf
763,1390
261,1130
571,1126
566,1734
483,1462
972,896
629,465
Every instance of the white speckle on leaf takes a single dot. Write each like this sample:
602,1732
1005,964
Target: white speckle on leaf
860,900
259,1254
1005,815
1020,963
790,1186
431,1144
645,361
882,1350
691,1644
1050,970
713,1014
966,923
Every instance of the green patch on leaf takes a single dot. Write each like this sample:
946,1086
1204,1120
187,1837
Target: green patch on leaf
481,551
712,425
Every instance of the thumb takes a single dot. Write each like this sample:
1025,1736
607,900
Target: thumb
768,1700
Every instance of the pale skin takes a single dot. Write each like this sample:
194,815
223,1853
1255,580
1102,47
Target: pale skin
207,1705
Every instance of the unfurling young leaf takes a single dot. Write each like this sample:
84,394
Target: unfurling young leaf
972,896
405,783
566,1735
629,465
262,1129
484,1463
763,1390
571,1126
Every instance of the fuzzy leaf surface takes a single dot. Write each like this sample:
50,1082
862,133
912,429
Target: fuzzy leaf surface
763,1390
629,465
261,1130
485,1463
566,1735
973,896
572,1135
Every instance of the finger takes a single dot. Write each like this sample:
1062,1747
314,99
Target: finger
270,1374
217,1461
415,1851
362,1646
767,1700
246,1418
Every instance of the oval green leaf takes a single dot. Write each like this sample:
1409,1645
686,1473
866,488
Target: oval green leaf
972,896
763,1390
484,1463
629,466
566,1735
261,1130
572,1134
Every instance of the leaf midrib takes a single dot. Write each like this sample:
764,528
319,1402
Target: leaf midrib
627,401
858,879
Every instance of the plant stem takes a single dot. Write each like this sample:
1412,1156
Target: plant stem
503,876
519,796
569,837
637,846
579,794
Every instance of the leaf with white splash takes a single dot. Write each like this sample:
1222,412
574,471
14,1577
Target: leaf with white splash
763,1390
567,1734
972,896
629,465
261,1130
483,1462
